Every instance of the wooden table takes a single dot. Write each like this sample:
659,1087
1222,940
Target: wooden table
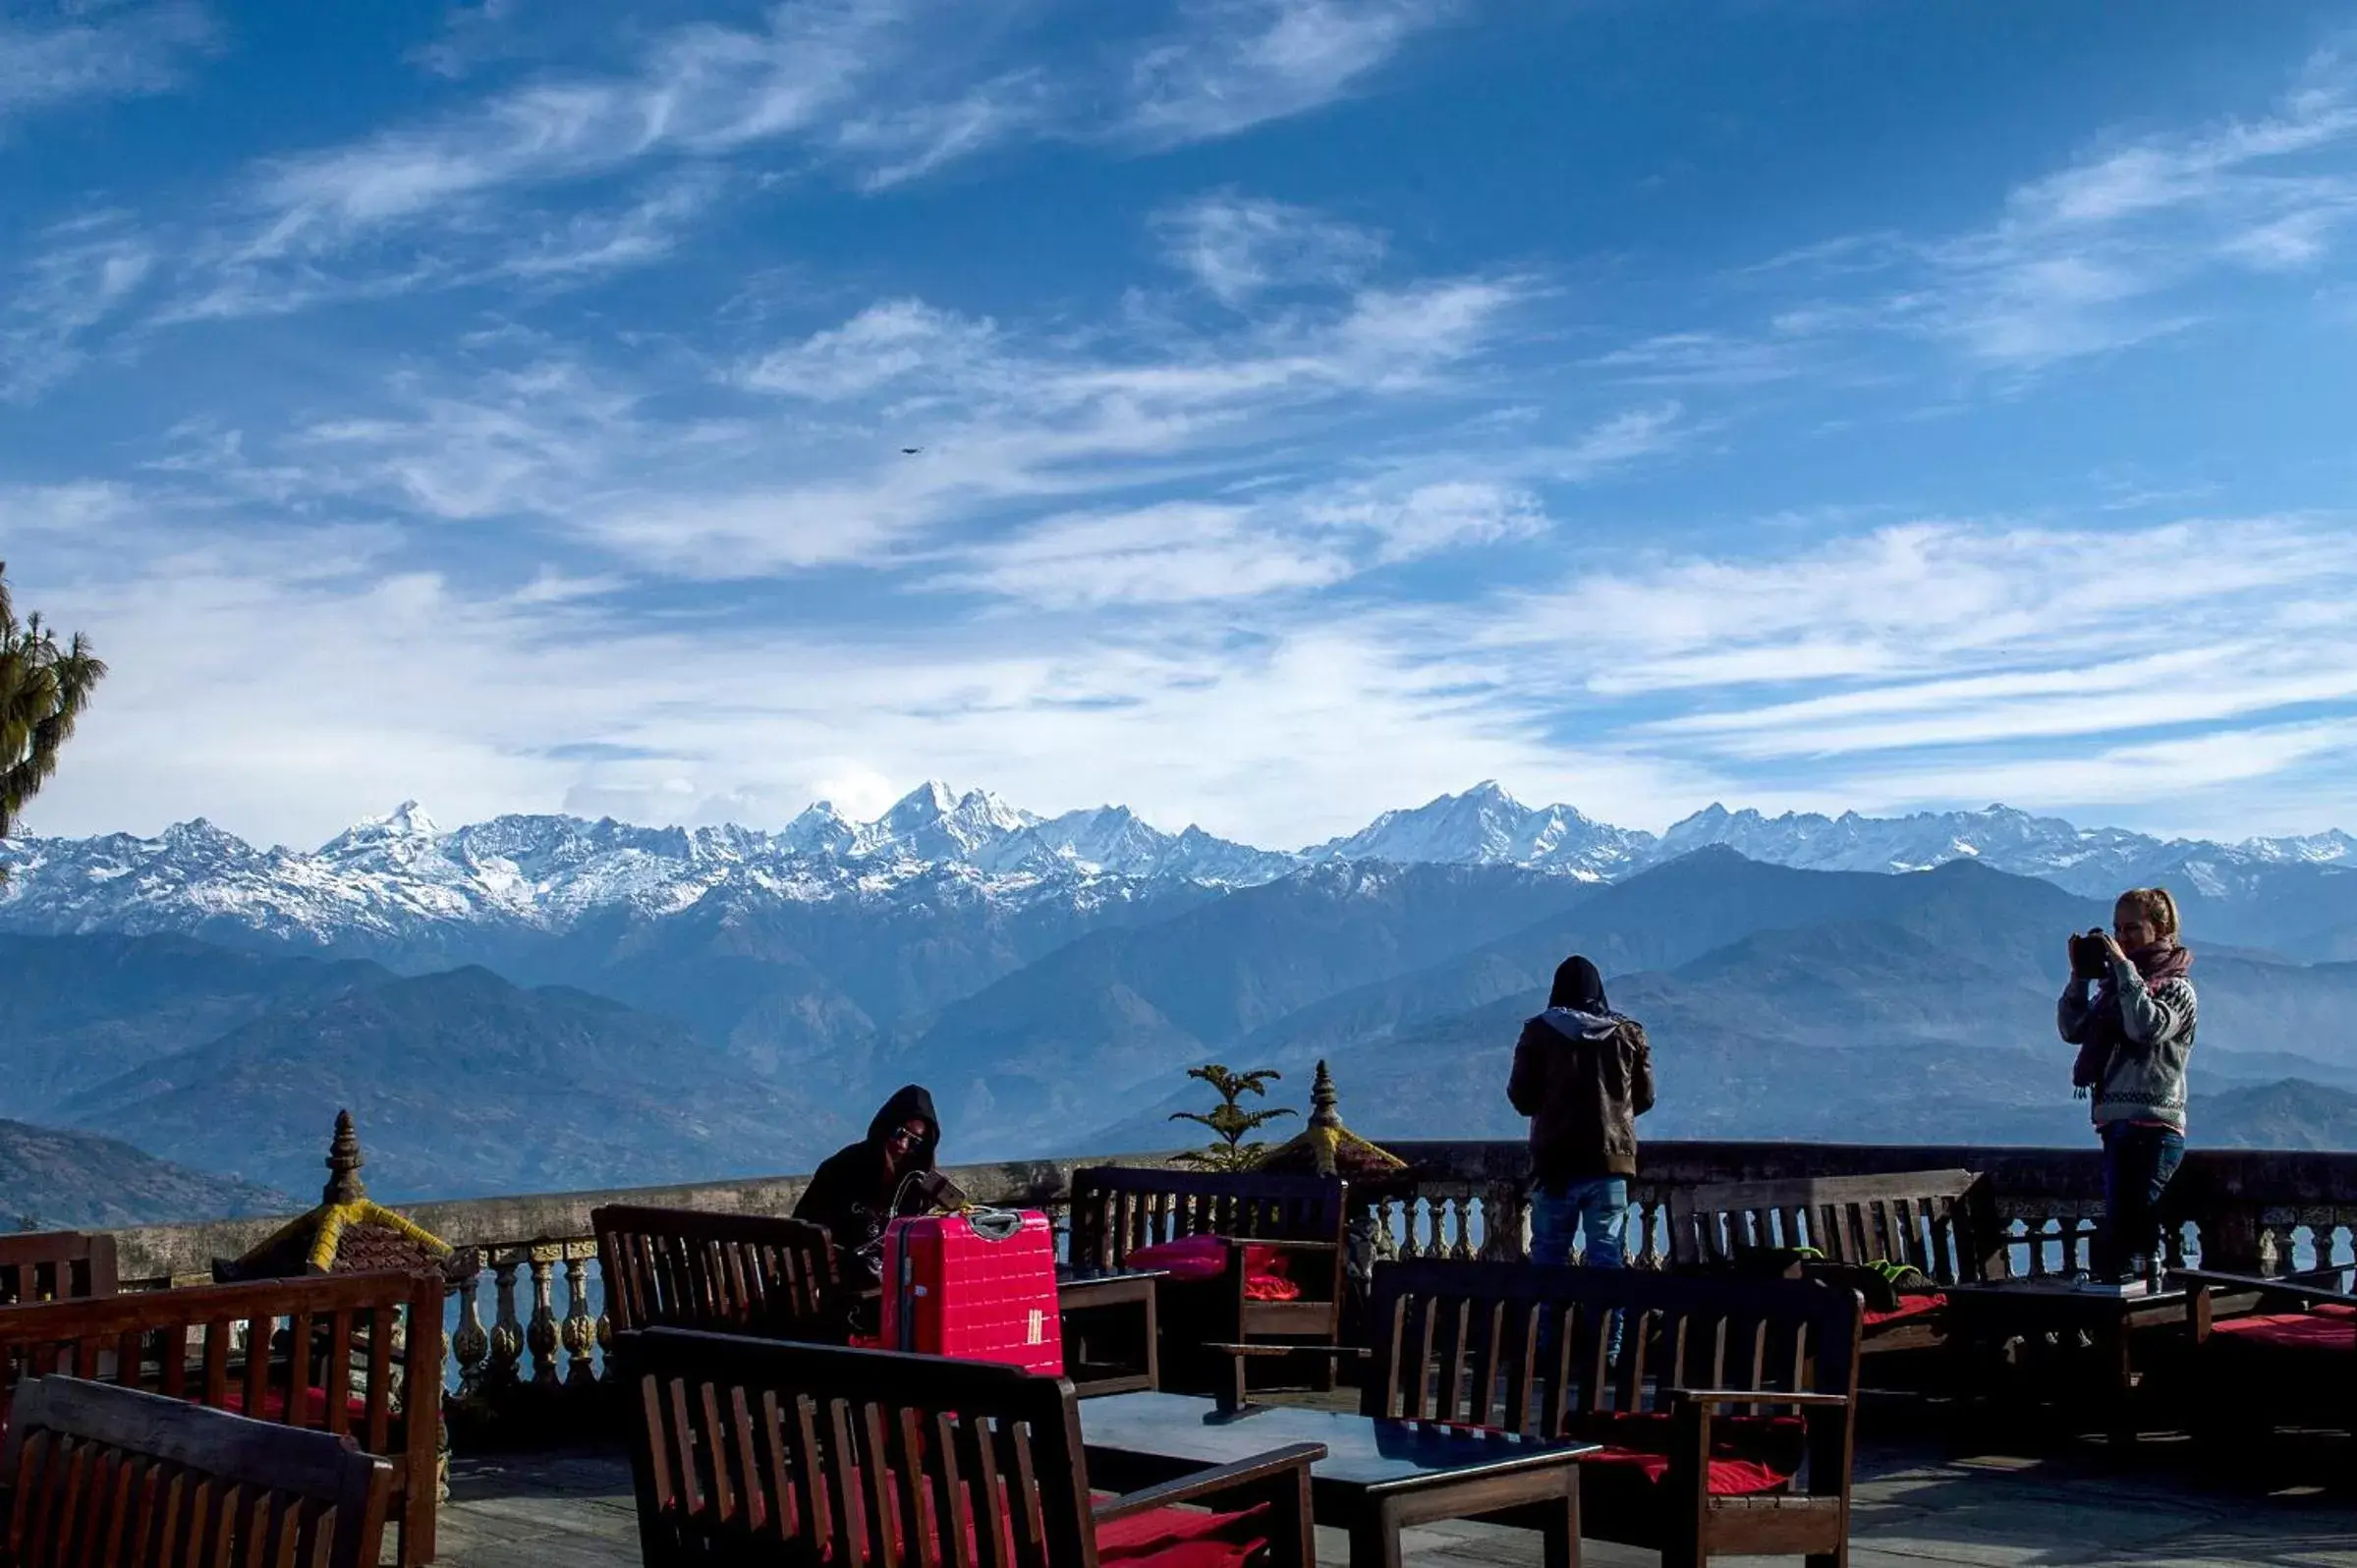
1982,1318
1098,1293
1378,1477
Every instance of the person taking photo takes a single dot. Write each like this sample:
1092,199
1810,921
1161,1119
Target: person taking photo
2129,1007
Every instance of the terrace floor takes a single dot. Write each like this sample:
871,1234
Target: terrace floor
1915,1503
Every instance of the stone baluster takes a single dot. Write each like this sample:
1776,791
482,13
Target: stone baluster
1644,1246
507,1332
470,1345
579,1333
1502,1224
2034,1245
2276,1250
1389,1230
542,1333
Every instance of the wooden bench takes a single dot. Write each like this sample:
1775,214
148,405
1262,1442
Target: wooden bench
1121,1209
2270,1352
1702,1456
753,1451
56,1266
374,1339
1943,1222
753,1274
100,1474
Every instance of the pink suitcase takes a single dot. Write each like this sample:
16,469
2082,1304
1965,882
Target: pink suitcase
982,1288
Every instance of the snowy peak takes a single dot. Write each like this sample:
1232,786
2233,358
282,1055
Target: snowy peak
819,831
2087,861
1486,826
399,879
932,823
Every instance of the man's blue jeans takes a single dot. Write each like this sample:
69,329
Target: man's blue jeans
1596,1210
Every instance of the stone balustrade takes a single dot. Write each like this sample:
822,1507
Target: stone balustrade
542,1323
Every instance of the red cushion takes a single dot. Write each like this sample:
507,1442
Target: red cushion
1160,1538
274,1406
1729,1477
1778,1442
1184,1538
1200,1258
2309,1331
1908,1306
1187,1258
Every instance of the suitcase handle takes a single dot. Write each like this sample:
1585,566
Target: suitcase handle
994,1224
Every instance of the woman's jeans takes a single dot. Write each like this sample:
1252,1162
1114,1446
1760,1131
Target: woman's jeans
2138,1162
1596,1209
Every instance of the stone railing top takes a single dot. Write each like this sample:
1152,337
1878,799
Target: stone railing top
2217,1179
184,1251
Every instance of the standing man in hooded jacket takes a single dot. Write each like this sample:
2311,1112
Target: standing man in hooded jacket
863,1187
1583,1075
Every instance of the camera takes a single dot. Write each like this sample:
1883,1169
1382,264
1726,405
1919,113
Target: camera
2089,958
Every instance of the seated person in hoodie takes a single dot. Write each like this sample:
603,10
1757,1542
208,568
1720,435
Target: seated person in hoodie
863,1187
1583,1075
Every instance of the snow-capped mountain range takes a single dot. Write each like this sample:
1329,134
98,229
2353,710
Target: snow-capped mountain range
402,873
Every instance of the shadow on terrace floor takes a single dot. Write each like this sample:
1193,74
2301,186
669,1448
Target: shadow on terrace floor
1915,1504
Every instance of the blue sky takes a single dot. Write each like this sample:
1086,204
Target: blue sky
1318,404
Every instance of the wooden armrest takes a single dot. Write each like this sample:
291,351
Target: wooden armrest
1239,1242
2252,1284
1753,1396
1256,1471
1355,1352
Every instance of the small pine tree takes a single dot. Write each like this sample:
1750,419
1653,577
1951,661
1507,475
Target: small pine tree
43,689
1229,1119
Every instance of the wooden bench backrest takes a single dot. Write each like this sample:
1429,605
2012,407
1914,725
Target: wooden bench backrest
1118,1209
96,1470
771,1451
731,1273
1941,1221
55,1265
190,1345
1520,1346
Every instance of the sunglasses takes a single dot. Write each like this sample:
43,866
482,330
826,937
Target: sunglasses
902,1138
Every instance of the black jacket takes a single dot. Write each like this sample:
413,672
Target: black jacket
1583,1078
852,1194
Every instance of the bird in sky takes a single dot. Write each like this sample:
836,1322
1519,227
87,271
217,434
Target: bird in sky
910,451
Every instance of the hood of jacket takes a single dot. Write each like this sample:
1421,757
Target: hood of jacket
911,1103
1573,1023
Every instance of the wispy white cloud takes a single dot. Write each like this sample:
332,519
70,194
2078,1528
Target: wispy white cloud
1238,247
279,677
886,344
2112,249
905,142
1235,63
78,57
1168,554
1961,662
86,271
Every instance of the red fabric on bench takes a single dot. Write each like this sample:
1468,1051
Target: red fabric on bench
2320,1330
1908,1306
1729,1477
1160,1538
1200,1258
1749,1454
274,1406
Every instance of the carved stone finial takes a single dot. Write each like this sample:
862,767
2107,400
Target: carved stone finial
344,1164
1323,1100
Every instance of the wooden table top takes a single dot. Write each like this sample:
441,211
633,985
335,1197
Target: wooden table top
1362,1451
